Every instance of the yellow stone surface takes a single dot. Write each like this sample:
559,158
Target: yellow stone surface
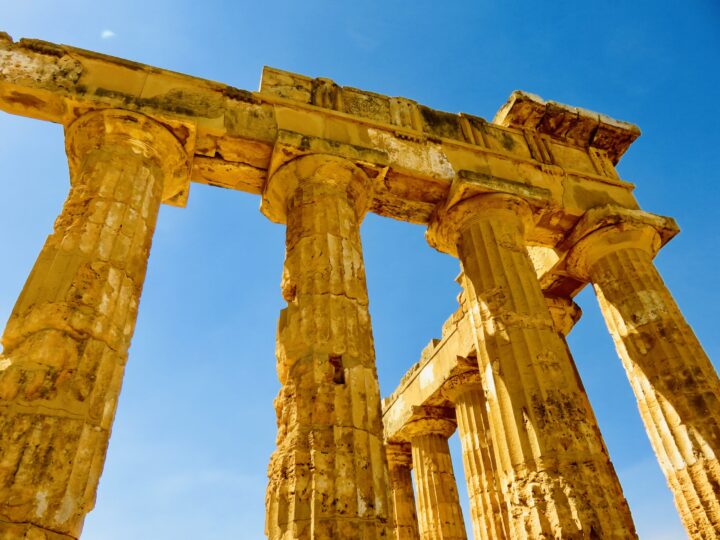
554,467
447,375
328,476
675,384
487,506
66,342
404,522
530,203
439,513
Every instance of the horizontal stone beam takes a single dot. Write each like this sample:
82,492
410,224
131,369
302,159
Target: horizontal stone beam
414,154
230,127
423,384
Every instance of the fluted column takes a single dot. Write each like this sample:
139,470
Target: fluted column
404,522
487,504
328,477
675,384
439,512
553,465
66,342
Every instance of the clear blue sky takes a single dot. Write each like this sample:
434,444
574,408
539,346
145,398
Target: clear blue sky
195,425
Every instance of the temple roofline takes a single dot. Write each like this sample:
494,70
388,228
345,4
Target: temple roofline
586,128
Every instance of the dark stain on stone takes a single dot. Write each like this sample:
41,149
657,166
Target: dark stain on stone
26,100
105,93
508,143
178,102
42,47
188,103
441,124
336,363
182,133
238,94
591,198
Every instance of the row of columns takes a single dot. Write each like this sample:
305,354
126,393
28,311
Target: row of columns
490,510
554,471
531,444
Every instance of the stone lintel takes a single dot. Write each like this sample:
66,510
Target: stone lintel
230,133
467,184
423,384
583,127
414,153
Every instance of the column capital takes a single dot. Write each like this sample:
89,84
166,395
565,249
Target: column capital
430,421
607,229
314,169
139,133
399,454
458,384
564,312
449,221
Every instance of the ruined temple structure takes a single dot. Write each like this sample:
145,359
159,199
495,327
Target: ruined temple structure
530,204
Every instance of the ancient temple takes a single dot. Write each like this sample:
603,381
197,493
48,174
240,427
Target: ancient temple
530,204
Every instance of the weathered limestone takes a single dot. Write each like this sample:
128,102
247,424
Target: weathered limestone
404,522
519,200
553,465
423,384
439,511
566,150
328,476
487,505
66,342
673,380
445,377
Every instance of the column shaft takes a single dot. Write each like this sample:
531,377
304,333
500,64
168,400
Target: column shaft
66,343
673,380
556,475
328,476
487,508
404,525
440,515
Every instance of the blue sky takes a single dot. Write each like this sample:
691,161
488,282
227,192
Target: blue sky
195,424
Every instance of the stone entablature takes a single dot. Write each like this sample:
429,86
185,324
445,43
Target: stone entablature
233,132
560,157
530,204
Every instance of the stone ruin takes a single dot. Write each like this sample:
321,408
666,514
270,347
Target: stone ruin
531,205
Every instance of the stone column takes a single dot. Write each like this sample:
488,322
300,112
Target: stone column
328,477
66,342
552,462
565,313
439,511
487,504
404,523
675,384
